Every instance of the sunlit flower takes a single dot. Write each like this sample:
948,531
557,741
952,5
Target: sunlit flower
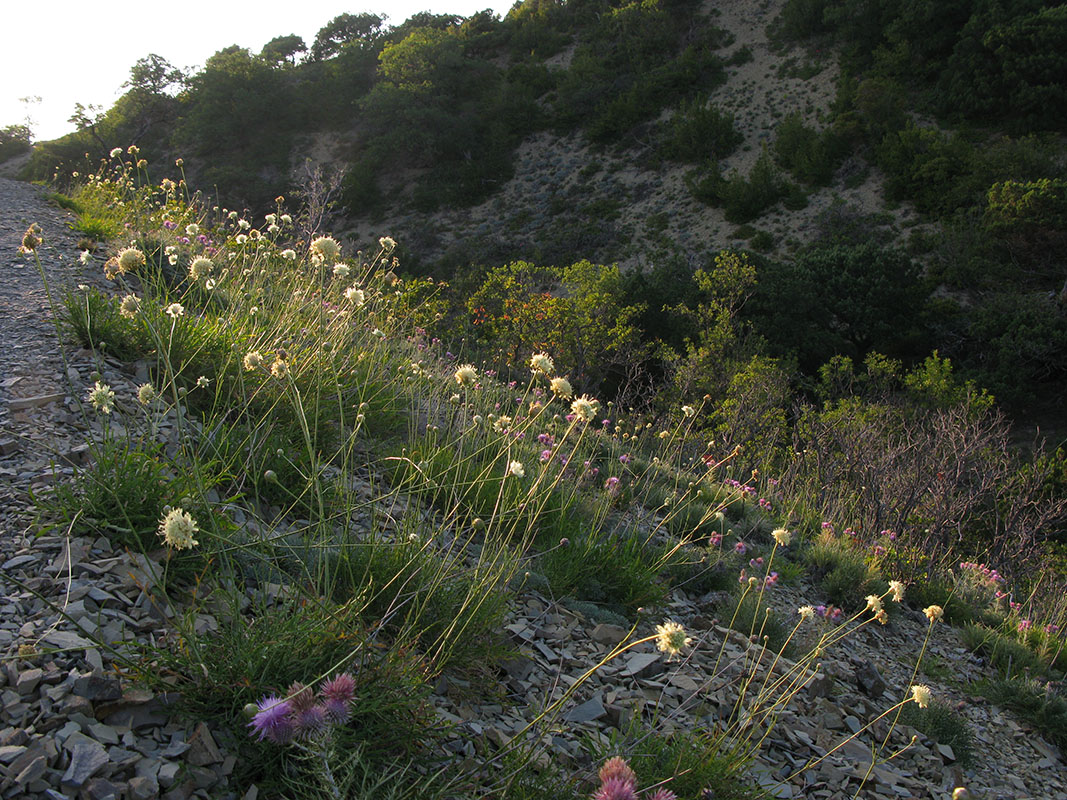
806,613
85,256
115,152
934,613
102,398
203,382
542,362
146,393
897,588
129,306
921,695
614,789
782,536
585,408
325,248
253,359
341,270
192,229
31,239
177,529
561,387
516,469
279,369
874,603
689,411
355,296
175,310
671,638
200,267
288,255
130,259
466,375
387,244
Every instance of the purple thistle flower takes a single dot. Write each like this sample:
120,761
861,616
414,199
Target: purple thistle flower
312,720
664,794
337,710
741,548
340,687
625,458
272,721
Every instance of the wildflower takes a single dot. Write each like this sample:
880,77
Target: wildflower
200,267
285,218
387,243
921,695
612,484
688,411
192,229
175,310
882,616
664,794
561,387
203,382
614,789
617,769
934,613
466,375
355,296
874,603
129,306
585,408
85,256
272,720
102,398
325,248
740,548
146,393
806,613
671,638
311,720
253,359
341,270
115,152
130,259
31,239
279,369
340,687
782,536
177,529
542,362
1025,625
515,468
289,255
897,588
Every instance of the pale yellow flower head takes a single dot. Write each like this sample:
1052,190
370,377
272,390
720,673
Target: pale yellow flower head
671,638
130,259
782,536
585,408
516,469
806,613
177,529
921,695
934,613
561,387
253,359
542,362
326,248
129,306
146,393
466,375
897,588
102,398
200,267
874,603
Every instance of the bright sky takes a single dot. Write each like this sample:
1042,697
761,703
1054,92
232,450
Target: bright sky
72,51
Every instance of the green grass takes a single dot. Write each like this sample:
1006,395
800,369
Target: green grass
944,725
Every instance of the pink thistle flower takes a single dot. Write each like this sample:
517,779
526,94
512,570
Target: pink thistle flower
341,688
312,720
616,768
615,789
664,794
715,539
741,548
337,710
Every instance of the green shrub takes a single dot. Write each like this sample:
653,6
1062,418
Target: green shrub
699,133
743,198
1006,654
1039,703
944,725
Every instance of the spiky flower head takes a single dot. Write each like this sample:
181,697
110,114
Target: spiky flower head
671,638
874,603
897,588
542,362
615,789
561,387
272,721
616,768
689,411
355,296
299,697
585,408
31,239
102,398
177,529
288,255
253,359
146,393
175,310
921,695
325,248
806,613
387,243
312,720
934,613
340,687
279,369
129,306
664,794
516,469
130,259
782,536
341,270
200,267
466,375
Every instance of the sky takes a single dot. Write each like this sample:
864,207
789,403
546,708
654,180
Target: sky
71,51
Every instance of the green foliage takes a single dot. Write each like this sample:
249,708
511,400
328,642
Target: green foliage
743,198
93,320
752,615
698,133
1040,704
1006,654
346,31
944,725
283,49
840,571
14,141
810,156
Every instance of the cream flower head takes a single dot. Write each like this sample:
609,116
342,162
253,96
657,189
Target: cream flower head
671,638
102,398
129,306
542,362
175,310
897,588
585,408
466,375
806,613
130,259
253,359
146,393
516,469
921,695
326,248
200,267
934,613
177,529
782,536
561,387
